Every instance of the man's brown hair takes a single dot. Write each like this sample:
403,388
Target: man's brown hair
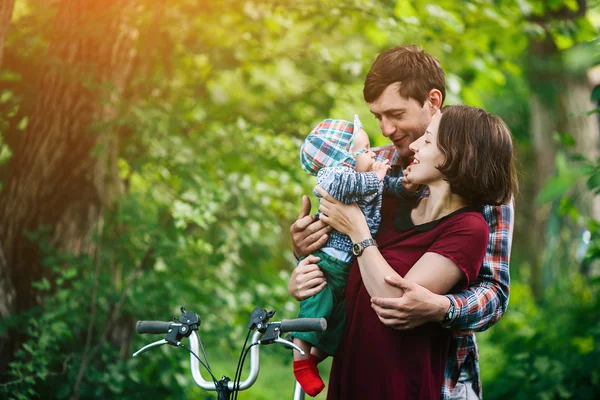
478,150
417,72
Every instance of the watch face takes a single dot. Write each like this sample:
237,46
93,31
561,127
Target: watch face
450,313
453,312
355,249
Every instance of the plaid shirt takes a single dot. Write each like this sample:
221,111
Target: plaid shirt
485,301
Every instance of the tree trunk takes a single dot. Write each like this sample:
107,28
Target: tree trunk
55,184
6,10
544,75
559,101
576,102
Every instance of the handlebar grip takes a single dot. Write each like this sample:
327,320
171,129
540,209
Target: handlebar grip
304,325
152,327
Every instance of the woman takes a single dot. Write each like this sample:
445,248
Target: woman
466,159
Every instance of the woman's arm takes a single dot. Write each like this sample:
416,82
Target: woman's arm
433,271
349,219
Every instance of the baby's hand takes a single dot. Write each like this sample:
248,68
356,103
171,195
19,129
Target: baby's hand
381,168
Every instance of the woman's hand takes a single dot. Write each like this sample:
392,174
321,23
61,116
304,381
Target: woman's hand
409,186
345,218
307,279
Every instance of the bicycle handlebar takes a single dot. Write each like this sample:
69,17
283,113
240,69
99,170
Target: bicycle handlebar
266,333
304,325
143,327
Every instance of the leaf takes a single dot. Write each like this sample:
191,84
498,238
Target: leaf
404,9
565,139
562,41
23,123
583,345
594,111
42,285
593,182
586,31
555,188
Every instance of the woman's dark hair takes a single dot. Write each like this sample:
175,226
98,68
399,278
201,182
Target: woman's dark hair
479,159
417,71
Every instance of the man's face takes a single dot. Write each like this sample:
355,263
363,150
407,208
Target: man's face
401,120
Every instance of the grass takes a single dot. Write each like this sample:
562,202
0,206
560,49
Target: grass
275,379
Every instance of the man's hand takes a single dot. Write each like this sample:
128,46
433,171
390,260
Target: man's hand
307,279
381,168
308,234
416,307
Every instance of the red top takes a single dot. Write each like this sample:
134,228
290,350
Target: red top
377,362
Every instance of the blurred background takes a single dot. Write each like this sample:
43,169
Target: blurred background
149,160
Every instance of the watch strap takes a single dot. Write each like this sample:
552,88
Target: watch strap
358,248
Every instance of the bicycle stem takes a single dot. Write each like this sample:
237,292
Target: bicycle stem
210,385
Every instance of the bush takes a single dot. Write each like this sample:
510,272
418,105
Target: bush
550,351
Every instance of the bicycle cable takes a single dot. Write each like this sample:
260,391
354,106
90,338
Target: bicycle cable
204,353
243,359
238,370
217,385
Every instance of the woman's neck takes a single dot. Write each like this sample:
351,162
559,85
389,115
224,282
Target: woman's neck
440,202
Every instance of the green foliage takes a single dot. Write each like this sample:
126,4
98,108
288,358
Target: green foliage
209,182
550,349
547,351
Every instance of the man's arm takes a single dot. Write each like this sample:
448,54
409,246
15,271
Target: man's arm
484,303
479,307
308,235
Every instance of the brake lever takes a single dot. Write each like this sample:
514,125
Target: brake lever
290,344
149,346
271,335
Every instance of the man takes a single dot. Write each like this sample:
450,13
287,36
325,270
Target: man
404,88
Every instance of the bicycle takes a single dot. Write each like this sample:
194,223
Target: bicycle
265,333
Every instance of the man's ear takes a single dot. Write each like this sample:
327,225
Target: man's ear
435,100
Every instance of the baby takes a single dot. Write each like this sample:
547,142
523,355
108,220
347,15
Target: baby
339,154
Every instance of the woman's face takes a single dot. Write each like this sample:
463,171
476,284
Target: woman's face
423,170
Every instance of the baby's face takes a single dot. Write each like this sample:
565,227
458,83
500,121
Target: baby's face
365,160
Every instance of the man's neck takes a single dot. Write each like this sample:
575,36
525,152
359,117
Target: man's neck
405,161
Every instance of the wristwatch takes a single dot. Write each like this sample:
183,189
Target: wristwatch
450,314
358,248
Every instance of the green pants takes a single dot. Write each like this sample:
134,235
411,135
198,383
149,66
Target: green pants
329,303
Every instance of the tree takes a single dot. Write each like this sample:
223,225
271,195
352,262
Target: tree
176,183
54,182
559,104
6,10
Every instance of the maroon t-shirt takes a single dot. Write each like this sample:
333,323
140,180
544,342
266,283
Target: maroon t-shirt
377,362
